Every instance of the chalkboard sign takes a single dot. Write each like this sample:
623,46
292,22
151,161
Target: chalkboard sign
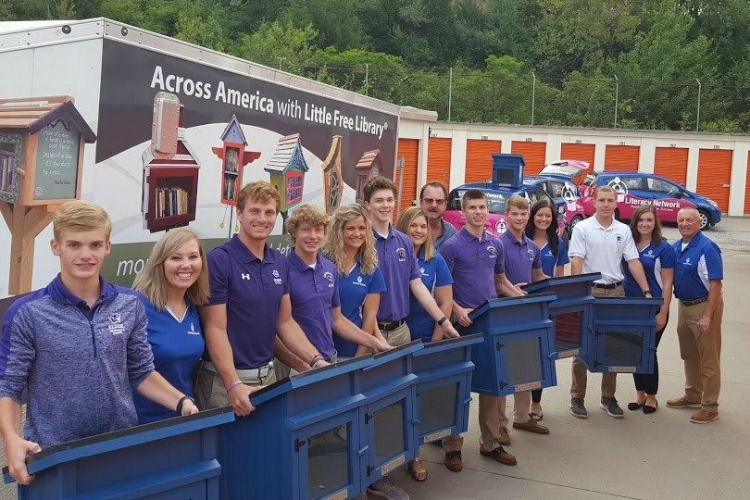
56,163
11,154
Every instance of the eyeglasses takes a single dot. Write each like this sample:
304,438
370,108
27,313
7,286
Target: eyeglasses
436,201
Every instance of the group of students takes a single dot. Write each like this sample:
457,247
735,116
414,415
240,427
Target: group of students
202,330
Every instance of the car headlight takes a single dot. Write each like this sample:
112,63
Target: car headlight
713,203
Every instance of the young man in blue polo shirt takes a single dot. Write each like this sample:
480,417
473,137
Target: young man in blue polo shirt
522,265
77,347
698,276
314,291
249,307
477,264
399,265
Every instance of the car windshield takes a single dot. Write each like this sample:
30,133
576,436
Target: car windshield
495,201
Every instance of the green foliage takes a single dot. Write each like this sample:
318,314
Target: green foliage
559,57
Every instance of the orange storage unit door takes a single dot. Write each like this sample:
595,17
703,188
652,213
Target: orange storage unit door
575,151
439,160
624,158
747,188
714,173
408,149
534,154
672,164
479,159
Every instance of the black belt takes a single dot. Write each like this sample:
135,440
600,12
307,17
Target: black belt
390,325
688,303
607,286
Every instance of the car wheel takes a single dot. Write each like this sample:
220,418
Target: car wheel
617,214
575,220
705,218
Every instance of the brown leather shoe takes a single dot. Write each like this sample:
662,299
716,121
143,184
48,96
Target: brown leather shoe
504,437
683,402
500,455
704,416
453,461
531,426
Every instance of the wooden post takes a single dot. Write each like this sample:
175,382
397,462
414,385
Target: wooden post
25,224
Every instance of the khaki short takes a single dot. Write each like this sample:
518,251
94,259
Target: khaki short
211,393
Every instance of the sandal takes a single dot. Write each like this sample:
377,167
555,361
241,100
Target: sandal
417,470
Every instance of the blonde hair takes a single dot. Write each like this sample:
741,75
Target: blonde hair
261,191
405,220
604,189
516,201
152,282
333,247
305,214
80,215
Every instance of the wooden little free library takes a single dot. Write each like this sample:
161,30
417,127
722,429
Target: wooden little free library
41,162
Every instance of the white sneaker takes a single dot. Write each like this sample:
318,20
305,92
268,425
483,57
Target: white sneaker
385,488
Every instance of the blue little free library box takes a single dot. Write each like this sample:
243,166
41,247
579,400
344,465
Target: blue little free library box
623,335
571,311
173,458
518,349
444,370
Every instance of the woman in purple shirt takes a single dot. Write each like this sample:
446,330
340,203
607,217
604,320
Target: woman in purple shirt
173,283
351,246
542,228
658,260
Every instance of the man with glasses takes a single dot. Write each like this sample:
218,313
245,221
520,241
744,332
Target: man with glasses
433,198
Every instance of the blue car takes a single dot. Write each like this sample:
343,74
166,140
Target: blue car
637,188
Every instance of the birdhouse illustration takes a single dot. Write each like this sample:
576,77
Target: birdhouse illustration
170,170
368,166
233,158
333,183
287,167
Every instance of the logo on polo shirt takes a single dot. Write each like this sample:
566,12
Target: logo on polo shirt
245,276
192,330
618,238
531,254
401,254
421,271
115,324
329,278
549,253
276,277
358,281
687,262
492,251
650,253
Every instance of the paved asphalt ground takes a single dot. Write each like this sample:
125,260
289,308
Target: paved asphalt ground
660,456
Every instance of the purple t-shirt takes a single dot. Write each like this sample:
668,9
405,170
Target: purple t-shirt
473,263
399,265
314,292
252,290
520,257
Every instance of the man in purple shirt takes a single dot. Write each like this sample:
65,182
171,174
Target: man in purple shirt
522,265
399,266
476,261
314,292
248,309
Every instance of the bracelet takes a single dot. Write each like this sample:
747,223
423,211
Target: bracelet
442,320
233,385
316,359
181,402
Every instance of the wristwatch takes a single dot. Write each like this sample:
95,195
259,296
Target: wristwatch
181,402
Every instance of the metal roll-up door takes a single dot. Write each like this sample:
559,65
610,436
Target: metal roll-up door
577,151
747,188
621,158
479,159
439,160
408,149
714,173
672,164
534,154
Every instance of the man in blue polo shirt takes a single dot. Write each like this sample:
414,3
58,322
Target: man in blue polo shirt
522,265
314,292
249,307
433,198
476,261
399,265
698,278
